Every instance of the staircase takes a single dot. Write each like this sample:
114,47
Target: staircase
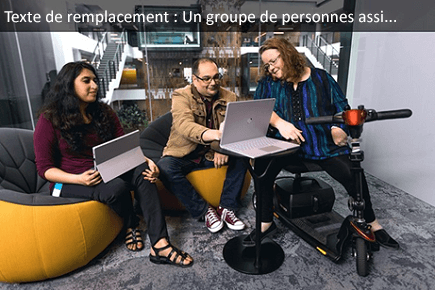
108,66
322,53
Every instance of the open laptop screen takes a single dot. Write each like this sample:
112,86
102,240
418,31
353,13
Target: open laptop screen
246,120
118,156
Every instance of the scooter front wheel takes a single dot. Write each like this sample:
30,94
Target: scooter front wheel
362,256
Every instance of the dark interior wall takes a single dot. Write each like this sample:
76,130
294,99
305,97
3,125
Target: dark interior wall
38,62
25,61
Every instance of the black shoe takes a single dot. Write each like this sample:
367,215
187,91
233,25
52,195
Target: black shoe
249,241
343,236
384,239
374,246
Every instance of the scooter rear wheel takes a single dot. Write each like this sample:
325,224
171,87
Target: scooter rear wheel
361,257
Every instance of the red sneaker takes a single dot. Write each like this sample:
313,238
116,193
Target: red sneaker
213,221
230,219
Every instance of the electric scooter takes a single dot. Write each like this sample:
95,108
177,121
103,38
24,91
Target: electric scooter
329,232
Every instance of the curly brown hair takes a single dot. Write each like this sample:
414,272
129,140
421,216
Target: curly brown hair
294,62
62,108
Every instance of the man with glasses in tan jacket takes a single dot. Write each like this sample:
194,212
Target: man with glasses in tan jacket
197,111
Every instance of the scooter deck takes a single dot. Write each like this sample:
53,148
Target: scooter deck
319,230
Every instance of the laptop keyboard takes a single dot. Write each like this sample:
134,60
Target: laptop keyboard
251,144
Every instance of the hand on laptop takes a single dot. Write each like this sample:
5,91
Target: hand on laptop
289,131
152,173
211,135
221,126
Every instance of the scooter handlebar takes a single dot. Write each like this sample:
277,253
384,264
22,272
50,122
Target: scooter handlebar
372,115
322,120
385,115
338,118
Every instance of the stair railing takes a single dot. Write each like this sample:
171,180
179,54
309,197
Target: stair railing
99,50
329,48
112,66
322,57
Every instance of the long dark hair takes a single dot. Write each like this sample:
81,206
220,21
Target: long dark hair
294,62
62,108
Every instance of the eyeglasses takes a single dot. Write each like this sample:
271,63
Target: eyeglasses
271,62
217,78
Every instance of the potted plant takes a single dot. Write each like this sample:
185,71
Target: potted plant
131,117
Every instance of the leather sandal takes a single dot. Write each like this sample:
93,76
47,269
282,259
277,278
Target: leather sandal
134,237
172,257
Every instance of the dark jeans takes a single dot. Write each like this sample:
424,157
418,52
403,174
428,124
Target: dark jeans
337,167
116,194
173,173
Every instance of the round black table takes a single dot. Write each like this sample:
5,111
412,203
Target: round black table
266,256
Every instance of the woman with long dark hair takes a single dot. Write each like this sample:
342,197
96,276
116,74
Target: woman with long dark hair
72,121
302,92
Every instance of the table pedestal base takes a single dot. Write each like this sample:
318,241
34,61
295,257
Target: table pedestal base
243,259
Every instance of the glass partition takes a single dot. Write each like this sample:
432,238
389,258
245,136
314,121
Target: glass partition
164,52
160,35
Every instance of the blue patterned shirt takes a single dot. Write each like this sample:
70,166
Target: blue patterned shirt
319,95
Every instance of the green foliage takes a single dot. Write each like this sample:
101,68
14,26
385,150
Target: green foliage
131,117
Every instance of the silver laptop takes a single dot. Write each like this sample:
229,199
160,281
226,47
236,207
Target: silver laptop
118,156
245,129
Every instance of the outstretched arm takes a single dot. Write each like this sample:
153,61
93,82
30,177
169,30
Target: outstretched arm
286,129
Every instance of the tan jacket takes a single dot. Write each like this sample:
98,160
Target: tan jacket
189,120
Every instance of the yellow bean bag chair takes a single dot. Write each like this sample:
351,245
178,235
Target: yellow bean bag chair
207,182
42,236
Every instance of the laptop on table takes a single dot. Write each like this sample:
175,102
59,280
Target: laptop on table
245,128
118,156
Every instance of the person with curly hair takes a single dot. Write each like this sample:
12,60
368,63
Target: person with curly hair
302,92
71,122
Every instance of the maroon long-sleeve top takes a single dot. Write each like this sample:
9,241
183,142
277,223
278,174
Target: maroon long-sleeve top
51,150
